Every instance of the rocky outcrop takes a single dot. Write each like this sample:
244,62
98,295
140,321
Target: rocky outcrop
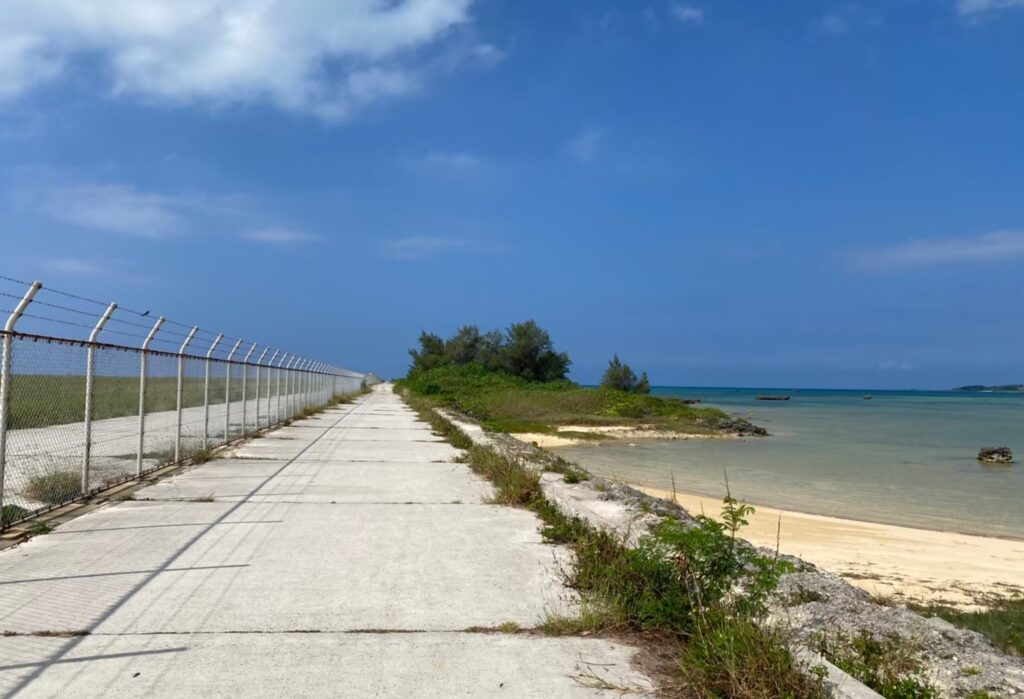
995,455
958,662
742,427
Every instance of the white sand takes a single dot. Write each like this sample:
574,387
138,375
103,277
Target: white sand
605,432
908,564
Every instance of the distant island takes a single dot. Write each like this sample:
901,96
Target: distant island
1010,388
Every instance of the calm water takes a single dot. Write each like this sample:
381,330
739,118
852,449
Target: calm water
902,458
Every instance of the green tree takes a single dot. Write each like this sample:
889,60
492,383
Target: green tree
620,377
464,346
430,355
530,354
491,349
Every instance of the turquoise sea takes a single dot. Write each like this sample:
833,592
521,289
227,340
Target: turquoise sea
903,457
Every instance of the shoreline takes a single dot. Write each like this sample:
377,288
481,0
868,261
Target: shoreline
567,436
886,560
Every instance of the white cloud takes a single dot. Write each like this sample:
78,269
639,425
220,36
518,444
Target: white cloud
112,207
315,56
488,53
967,8
126,209
279,236
832,23
998,246
449,161
70,265
586,146
844,19
688,14
420,247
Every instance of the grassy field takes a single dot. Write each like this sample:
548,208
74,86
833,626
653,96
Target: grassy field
510,404
43,400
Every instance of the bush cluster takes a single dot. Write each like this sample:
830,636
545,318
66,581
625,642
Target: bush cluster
620,377
524,350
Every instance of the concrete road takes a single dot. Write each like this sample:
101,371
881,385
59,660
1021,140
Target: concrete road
346,555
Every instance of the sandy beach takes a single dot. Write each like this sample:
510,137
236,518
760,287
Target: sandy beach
571,435
907,564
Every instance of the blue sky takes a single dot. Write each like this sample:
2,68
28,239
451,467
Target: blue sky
724,193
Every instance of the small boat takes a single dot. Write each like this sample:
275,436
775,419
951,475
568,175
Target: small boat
772,397
867,397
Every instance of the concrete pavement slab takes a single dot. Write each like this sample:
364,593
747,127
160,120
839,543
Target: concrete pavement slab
324,482
342,568
325,664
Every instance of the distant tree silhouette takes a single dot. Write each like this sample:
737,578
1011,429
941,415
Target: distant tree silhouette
620,377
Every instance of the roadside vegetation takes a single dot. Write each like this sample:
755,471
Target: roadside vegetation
694,593
516,382
890,666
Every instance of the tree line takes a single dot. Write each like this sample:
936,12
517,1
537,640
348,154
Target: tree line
523,349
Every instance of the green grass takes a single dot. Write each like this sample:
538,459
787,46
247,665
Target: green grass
510,404
202,455
888,665
38,528
55,488
10,513
1002,623
515,483
41,400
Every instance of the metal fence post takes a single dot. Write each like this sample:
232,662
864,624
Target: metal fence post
206,392
5,382
142,392
259,365
278,401
227,394
300,374
245,380
270,376
290,389
288,386
90,379
181,391
299,377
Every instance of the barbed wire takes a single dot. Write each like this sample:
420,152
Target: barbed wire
56,320
202,336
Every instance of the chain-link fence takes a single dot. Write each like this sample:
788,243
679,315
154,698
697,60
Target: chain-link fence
81,415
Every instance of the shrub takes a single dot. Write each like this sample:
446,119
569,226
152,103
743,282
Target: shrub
888,665
55,488
12,513
620,377
734,657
